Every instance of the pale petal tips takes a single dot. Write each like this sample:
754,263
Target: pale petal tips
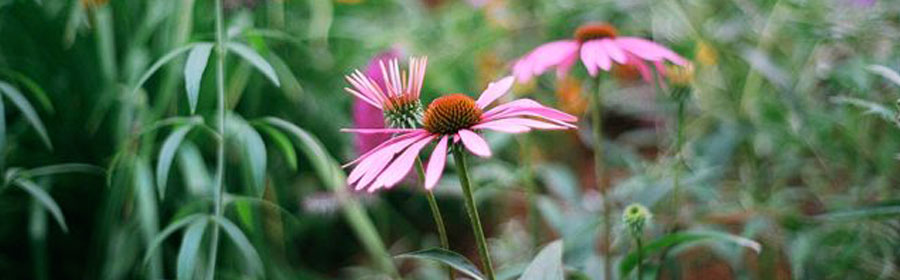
474,143
495,90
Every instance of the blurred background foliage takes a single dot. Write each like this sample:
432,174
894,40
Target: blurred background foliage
791,137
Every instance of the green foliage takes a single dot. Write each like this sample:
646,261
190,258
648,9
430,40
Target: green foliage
454,260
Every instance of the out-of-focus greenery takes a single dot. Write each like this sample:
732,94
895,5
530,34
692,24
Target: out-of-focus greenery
791,141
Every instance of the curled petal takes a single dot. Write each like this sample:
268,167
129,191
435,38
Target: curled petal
648,50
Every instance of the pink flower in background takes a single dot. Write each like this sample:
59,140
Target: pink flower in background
366,115
598,46
456,118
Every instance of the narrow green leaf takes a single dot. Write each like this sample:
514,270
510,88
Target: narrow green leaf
25,107
547,265
291,85
2,135
872,108
885,72
162,61
147,210
684,238
194,120
875,212
190,247
284,144
65,168
255,59
193,170
166,154
171,228
34,88
193,72
243,244
454,260
41,196
253,150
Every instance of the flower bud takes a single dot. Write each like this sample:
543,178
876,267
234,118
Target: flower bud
635,217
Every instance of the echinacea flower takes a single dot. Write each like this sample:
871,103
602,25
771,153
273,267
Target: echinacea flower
398,97
364,114
457,118
599,46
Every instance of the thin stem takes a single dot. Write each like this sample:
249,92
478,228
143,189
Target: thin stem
534,225
435,213
597,121
472,210
680,97
640,258
219,189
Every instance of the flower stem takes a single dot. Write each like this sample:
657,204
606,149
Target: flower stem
219,187
435,213
597,121
472,210
680,96
640,258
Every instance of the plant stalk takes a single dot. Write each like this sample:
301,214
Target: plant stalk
597,122
435,213
219,189
472,210
640,258
680,96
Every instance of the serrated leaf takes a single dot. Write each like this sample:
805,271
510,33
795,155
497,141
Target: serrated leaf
243,244
454,260
283,143
171,228
547,265
190,248
27,110
885,72
65,168
166,155
683,238
255,59
162,61
193,72
41,196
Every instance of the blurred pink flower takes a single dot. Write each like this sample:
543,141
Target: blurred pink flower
456,117
598,45
364,114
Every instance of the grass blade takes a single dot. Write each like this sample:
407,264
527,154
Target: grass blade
41,196
25,107
193,72
454,260
166,155
255,59
885,72
65,168
243,244
190,247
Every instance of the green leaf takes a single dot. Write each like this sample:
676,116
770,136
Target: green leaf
193,170
243,244
885,72
872,108
193,72
162,61
171,228
255,59
193,120
32,87
65,168
253,151
190,247
25,107
875,212
292,88
166,154
684,238
41,196
284,144
146,203
547,265
454,260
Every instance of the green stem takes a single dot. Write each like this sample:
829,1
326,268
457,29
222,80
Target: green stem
472,210
680,96
597,122
219,188
534,225
435,213
640,258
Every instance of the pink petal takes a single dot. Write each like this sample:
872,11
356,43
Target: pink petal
384,144
543,57
589,57
403,164
379,130
614,52
601,58
386,153
566,65
648,50
436,164
527,105
474,143
502,126
494,91
522,69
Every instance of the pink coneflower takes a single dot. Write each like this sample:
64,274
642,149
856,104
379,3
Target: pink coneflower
456,118
398,98
598,45
364,114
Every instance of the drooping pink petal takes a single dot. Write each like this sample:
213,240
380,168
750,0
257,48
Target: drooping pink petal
378,130
370,161
390,141
601,58
436,164
543,57
402,164
648,50
562,70
494,91
614,52
474,143
589,52
527,105
502,126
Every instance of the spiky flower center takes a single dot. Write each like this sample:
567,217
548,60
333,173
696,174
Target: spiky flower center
592,31
403,111
449,114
